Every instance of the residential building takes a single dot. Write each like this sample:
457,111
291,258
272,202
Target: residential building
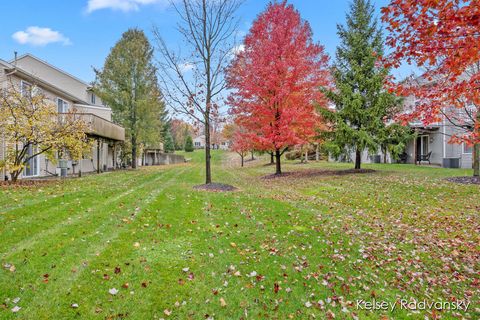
199,142
69,94
218,142
432,143
433,140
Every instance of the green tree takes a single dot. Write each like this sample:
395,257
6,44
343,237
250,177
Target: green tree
189,144
128,84
361,101
168,144
393,139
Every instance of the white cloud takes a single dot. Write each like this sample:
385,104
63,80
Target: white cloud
238,49
122,5
37,36
186,67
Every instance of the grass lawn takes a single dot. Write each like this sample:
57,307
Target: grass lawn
144,245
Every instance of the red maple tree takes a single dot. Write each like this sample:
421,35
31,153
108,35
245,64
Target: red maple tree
240,145
276,80
442,37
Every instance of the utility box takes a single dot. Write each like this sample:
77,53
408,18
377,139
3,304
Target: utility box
63,165
451,163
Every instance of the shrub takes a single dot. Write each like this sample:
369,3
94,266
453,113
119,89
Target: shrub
188,144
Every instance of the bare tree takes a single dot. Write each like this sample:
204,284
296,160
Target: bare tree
192,85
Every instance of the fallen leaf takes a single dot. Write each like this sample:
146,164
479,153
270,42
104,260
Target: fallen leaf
113,291
222,302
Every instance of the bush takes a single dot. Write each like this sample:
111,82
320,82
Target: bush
188,144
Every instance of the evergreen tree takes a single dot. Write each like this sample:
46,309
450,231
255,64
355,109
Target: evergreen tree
189,144
128,84
168,144
361,102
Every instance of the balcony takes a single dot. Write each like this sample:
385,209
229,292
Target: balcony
99,127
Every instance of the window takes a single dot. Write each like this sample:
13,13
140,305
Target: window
32,166
467,149
93,98
62,106
197,144
25,88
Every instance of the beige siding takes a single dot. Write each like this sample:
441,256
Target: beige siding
15,80
105,113
52,75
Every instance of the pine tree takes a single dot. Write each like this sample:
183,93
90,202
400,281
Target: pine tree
361,102
168,143
189,144
128,84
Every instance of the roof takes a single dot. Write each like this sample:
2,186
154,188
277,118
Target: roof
51,66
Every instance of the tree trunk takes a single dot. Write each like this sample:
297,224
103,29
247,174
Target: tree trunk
317,152
98,155
272,160
358,159
384,155
208,170
14,175
277,162
476,160
253,157
415,155
306,156
134,152
241,156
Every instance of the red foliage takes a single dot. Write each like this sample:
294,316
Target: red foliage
240,145
276,80
442,36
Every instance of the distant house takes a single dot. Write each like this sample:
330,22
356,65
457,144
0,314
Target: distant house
218,143
68,93
199,142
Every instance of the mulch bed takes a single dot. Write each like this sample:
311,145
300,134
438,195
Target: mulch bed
215,187
464,180
316,173
26,183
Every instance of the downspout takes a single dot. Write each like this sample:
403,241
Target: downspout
444,138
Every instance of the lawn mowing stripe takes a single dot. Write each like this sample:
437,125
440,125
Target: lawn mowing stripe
36,268
58,186
56,227
26,231
123,244
63,284
60,193
27,220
